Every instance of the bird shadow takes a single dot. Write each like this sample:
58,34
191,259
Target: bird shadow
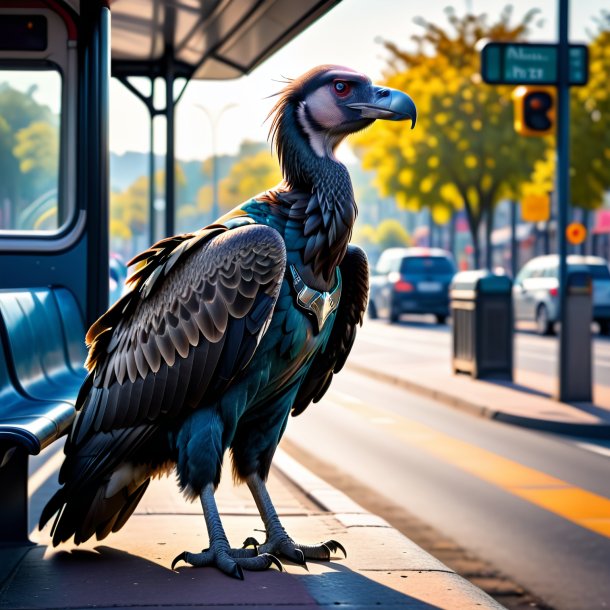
107,576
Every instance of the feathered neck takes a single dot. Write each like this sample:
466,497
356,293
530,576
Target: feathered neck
328,210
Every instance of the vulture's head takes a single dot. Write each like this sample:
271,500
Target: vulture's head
317,110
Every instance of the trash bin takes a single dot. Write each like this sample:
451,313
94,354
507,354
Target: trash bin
482,314
575,362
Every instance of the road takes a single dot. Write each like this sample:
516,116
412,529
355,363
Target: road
456,472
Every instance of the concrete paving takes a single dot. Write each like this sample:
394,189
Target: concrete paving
527,401
131,569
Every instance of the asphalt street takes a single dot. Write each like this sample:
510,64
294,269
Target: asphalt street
459,474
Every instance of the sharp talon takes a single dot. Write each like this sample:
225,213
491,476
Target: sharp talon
333,546
180,557
302,561
250,541
275,561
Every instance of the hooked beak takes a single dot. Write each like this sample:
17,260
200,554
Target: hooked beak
388,104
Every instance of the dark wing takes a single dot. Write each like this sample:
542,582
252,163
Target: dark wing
188,335
354,297
199,306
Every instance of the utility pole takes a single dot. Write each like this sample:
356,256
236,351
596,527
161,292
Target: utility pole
214,121
562,187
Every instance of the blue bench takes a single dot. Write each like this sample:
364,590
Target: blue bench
41,370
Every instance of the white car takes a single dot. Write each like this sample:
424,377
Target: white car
536,290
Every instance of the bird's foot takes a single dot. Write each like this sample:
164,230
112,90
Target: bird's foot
298,553
230,561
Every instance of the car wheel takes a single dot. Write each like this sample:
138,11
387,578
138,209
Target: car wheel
394,315
372,311
543,324
604,327
441,318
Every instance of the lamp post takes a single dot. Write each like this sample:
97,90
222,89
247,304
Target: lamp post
214,121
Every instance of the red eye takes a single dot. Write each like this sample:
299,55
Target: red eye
342,89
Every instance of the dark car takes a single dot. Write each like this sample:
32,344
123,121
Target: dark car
411,280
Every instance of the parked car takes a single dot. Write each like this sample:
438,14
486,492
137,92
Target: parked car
411,280
536,290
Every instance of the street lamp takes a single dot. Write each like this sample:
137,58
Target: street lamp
214,120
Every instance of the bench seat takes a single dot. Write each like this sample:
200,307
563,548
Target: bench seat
41,369
45,337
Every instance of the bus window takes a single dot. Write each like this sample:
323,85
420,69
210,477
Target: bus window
30,133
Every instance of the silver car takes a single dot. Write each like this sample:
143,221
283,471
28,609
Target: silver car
536,290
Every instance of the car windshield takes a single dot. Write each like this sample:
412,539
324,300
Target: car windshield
426,265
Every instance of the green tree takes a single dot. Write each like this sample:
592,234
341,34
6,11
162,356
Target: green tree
464,151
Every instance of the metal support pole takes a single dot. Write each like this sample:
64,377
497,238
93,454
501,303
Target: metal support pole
513,239
452,233
170,153
562,180
152,233
93,157
488,247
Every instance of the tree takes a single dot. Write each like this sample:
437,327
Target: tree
391,234
364,236
250,174
464,151
589,131
37,150
129,213
29,151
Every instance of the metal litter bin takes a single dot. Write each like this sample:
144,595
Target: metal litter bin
575,363
482,314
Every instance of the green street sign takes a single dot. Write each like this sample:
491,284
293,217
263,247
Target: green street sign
507,63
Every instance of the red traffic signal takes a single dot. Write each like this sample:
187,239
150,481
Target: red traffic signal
534,110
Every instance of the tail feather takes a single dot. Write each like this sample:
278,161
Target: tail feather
130,506
90,512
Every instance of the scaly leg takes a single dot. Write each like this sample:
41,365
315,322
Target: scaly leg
278,541
220,554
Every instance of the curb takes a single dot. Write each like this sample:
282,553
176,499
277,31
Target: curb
412,557
601,430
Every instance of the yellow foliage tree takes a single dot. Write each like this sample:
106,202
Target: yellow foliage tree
464,151
589,132
250,175
129,210
391,234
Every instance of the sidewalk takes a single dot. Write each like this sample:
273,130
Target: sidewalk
131,568
527,401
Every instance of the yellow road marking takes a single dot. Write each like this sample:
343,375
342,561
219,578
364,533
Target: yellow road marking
582,507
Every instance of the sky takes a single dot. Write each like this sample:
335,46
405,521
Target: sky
348,35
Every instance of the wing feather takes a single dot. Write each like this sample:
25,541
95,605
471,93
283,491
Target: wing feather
185,334
192,320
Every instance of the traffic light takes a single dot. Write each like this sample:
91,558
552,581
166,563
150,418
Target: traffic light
534,110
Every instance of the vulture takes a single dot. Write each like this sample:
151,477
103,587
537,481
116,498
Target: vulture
224,333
